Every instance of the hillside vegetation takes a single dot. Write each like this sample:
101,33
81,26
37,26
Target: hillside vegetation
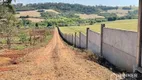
64,7
64,14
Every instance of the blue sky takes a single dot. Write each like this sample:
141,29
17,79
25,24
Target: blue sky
86,2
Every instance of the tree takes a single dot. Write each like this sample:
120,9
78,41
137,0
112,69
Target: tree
91,22
126,8
7,23
49,24
36,25
19,23
7,3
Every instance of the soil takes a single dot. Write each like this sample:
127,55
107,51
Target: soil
56,61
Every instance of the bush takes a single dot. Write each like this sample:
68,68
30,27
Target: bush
24,16
126,8
23,37
112,18
41,10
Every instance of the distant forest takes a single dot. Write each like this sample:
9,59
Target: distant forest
65,7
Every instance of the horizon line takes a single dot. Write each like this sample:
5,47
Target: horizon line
74,3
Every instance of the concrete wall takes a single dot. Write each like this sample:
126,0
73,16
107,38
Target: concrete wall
73,40
63,35
69,38
83,41
94,42
77,41
119,48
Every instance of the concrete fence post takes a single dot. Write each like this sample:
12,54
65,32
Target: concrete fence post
75,39
87,37
80,39
102,35
72,39
67,38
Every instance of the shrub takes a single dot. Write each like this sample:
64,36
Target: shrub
23,37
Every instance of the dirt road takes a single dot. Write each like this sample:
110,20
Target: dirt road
56,61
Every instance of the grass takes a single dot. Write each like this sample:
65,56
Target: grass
33,13
16,44
119,12
51,10
18,47
130,25
89,16
36,20
38,44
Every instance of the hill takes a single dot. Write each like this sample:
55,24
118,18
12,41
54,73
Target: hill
64,7
64,14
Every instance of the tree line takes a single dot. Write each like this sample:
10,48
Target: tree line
64,7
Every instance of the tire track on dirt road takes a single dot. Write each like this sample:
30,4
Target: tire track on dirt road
56,61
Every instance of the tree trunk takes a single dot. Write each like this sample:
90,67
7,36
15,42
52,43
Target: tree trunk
8,42
30,40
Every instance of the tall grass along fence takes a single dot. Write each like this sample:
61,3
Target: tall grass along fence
116,46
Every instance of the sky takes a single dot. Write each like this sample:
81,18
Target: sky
86,2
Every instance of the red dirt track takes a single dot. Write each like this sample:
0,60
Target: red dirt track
56,61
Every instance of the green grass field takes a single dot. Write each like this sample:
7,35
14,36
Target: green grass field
130,25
